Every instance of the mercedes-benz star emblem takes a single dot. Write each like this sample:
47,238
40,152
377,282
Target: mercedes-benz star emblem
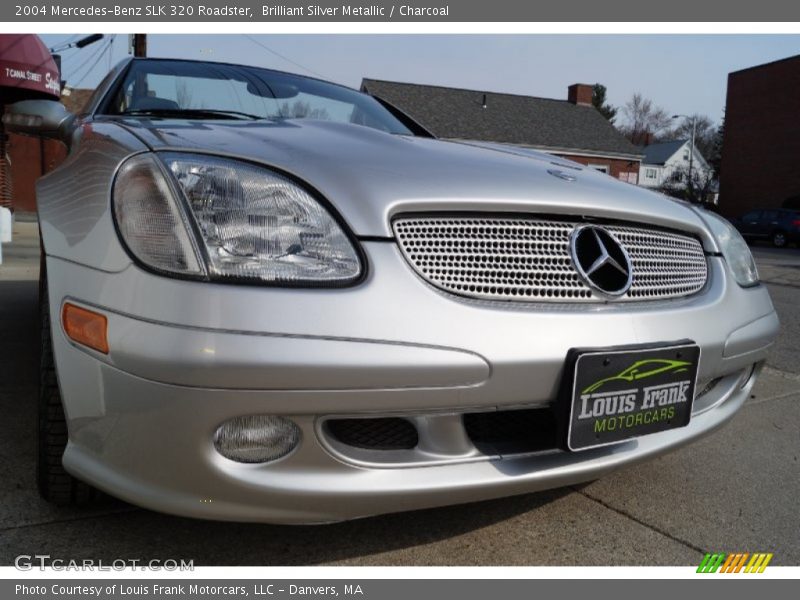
561,174
601,260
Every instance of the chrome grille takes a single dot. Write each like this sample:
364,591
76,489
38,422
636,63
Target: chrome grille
528,259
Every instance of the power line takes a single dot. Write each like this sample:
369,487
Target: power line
88,58
66,40
111,50
94,64
286,58
71,53
69,57
65,58
97,50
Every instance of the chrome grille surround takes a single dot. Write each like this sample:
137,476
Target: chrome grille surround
527,259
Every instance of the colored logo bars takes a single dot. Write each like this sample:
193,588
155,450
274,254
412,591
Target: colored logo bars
735,563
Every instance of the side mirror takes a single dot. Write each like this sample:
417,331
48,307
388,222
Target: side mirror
45,118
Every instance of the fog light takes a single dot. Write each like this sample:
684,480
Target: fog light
256,438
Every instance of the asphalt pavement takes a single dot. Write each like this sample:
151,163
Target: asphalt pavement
736,490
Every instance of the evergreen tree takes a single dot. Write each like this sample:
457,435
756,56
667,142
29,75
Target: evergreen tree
600,103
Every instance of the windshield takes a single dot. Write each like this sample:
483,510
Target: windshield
214,90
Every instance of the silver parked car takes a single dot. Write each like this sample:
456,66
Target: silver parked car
272,298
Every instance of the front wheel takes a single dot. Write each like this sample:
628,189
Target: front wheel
55,484
779,239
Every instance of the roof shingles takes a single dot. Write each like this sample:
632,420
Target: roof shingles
506,118
661,152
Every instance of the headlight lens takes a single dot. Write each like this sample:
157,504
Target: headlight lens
734,249
247,222
150,222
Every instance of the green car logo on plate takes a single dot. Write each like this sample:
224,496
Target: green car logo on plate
642,369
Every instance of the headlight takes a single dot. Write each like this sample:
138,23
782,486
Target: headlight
734,249
150,221
224,219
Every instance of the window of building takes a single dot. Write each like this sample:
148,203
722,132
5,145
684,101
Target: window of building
601,168
650,173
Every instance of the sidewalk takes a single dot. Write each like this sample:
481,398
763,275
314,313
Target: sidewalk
21,256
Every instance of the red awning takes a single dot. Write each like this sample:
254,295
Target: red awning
27,69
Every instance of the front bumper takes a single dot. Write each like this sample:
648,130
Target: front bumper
187,356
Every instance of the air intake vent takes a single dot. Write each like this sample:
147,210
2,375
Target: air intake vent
384,433
512,431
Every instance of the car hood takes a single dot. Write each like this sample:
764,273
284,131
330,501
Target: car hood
369,176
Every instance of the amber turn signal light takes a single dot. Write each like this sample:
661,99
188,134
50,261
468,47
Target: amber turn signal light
85,327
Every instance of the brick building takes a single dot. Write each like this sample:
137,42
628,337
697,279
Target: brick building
570,128
761,146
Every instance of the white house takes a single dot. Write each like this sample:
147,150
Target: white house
666,164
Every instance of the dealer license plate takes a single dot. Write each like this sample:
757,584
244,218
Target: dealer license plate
619,394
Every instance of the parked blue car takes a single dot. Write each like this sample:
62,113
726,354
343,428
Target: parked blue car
779,226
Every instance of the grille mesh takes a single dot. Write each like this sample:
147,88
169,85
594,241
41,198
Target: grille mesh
512,431
382,433
528,259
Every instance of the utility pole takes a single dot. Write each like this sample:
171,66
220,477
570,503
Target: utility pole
140,45
690,182
691,156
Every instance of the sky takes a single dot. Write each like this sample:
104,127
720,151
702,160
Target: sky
685,74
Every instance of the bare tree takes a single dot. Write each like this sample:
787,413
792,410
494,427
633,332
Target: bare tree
183,95
642,119
698,189
302,110
705,132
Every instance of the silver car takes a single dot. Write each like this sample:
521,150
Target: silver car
272,298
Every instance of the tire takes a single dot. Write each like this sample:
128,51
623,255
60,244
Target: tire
54,483
779,239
